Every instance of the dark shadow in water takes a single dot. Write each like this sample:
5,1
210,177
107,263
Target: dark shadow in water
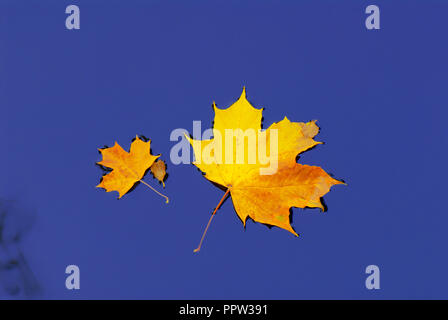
17,280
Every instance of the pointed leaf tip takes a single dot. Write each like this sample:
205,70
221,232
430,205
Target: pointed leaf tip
243,94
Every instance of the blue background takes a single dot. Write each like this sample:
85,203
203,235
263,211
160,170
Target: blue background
148,67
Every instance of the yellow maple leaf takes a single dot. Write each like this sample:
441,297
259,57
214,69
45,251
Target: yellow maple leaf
128,167
265,198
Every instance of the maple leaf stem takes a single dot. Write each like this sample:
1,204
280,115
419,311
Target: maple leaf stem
160,194
210,220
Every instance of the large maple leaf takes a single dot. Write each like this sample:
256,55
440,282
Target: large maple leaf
129,168
264,198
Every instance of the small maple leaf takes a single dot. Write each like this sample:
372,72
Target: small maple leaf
128,167
158,170
264,198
